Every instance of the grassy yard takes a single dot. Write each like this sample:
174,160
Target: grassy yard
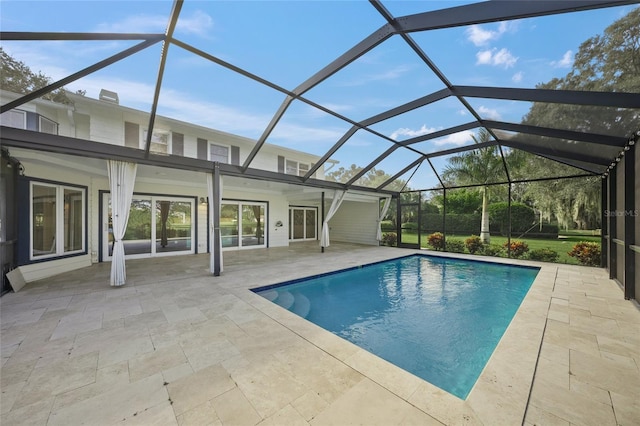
562,245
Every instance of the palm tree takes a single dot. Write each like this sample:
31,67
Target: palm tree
481,166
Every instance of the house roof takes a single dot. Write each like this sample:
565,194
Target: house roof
397,127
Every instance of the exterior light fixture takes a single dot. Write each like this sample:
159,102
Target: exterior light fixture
204,200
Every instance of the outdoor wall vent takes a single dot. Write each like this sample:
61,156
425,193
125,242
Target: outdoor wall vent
109,96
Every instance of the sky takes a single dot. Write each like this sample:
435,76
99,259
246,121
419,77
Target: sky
287,42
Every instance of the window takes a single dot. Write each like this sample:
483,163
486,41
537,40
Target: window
18,119
14,118
57,220
219,153
296,168
48,126
159,141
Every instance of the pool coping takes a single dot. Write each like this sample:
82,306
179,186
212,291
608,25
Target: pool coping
501,393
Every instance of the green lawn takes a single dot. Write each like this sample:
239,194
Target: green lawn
562,245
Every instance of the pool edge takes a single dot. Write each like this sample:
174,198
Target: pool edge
502,390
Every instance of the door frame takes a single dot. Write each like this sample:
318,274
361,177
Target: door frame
265,227
103,227
402,205
304,208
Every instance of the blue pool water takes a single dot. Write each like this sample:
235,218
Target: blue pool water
437,318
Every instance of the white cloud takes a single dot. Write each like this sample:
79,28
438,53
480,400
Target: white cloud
131,93
482,37
181,106
45,56
496,57
462,112
460,138
484,57
489,113
137,24
288,134
505,58
403,131
565,62
517,77
197,23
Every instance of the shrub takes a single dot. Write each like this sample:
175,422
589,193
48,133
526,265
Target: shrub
518,248
410,226
473,244
544,255
587,253
436,241
495,250
387,225
389,239
455,246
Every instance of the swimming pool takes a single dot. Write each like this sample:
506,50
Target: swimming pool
438,318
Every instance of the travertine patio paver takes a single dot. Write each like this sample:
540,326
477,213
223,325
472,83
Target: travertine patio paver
177,346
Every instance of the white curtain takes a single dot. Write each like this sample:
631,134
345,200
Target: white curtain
383,213
214,246
122,177
338,197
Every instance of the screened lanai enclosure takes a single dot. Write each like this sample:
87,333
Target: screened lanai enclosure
502,120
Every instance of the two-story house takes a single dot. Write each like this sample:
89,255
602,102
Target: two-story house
59,205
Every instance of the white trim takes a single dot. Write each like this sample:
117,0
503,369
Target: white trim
43,119
57,246
298,163
291,226
153,252
240,204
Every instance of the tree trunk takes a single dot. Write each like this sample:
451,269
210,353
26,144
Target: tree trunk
485,237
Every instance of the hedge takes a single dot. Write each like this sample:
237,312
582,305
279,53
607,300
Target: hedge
456,223
469,224
522,217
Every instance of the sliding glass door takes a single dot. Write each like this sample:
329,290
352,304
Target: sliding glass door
303,223
173,226
157,226
242,224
